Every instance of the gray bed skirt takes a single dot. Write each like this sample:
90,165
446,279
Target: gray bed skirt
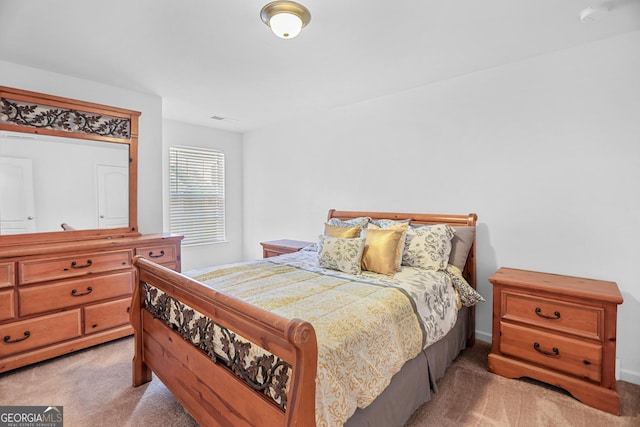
412,386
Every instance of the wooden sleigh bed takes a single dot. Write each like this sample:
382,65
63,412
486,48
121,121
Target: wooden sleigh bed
218,393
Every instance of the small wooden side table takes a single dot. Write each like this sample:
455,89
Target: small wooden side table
557,329
280,247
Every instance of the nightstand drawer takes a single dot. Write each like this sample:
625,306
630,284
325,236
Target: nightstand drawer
573,356
549,313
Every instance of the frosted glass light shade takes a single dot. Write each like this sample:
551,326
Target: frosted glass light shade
285,18
285,25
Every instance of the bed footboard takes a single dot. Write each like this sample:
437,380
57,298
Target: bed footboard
227,362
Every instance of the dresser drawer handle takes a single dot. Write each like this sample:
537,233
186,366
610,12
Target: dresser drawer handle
8,340
75,264
556,314
555,350
74,292
151,255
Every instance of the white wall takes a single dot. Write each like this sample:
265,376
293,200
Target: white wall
546,151
177,133
150,129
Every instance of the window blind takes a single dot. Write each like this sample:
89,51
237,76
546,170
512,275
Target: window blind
196,195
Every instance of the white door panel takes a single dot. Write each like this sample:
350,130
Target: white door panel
17,213
113,196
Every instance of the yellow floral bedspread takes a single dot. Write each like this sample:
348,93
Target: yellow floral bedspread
365,332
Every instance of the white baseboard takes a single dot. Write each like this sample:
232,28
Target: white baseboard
483,336
630,376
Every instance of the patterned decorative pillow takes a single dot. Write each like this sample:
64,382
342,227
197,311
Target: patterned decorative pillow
384,223
468,295
381,250
344,232
428,247
354,222
389,224
341,254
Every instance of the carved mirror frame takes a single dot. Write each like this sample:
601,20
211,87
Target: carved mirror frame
37,113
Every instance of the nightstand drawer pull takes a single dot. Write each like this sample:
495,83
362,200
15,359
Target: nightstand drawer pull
75,264
555,353
8,339
74,292
556,314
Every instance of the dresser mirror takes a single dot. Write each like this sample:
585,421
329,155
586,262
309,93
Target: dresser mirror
68,169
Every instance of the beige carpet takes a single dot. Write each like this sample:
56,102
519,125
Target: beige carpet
94,388
472,396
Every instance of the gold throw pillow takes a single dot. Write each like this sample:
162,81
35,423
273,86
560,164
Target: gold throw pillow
380,250
400,249
341,232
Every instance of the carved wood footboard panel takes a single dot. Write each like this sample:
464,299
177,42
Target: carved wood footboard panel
173,316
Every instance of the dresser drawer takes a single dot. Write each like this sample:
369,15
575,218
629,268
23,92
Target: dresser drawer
6,275
106,315
573,356
41,270
30,334
7,307
69,293
161,254
557,315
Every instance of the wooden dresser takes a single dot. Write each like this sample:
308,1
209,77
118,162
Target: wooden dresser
557,329
280,247
56,298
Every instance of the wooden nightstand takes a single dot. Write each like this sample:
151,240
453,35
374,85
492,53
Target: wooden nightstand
557,329
279,247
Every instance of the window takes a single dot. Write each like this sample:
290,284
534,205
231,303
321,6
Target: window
196,194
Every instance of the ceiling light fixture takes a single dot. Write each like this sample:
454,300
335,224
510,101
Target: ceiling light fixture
285,18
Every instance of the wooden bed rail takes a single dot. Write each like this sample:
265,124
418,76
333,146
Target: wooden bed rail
212,393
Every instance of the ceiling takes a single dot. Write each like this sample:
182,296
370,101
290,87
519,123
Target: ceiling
216,58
